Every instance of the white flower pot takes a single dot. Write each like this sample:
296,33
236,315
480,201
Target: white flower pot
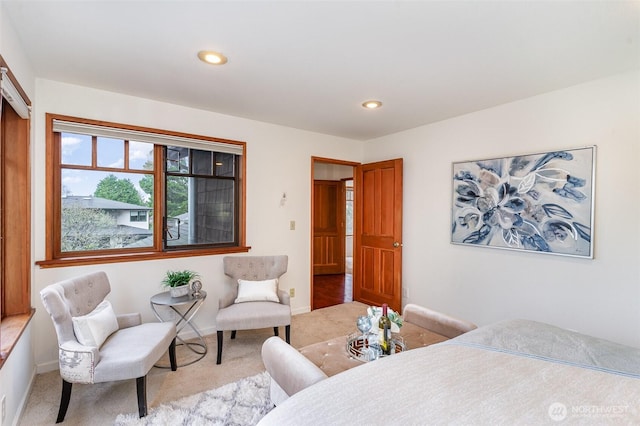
179,291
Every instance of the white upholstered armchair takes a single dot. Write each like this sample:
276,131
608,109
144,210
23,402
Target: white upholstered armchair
253,299
95,345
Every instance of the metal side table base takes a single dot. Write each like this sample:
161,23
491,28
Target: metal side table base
186,308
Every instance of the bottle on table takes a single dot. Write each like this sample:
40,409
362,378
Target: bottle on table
384,332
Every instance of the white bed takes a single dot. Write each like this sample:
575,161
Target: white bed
513,372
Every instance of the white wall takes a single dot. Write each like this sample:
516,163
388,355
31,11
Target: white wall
16,377
278,160
600,296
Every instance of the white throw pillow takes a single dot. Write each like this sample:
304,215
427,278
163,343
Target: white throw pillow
258,291
94,328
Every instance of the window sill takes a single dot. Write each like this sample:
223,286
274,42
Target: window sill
137,257
11,328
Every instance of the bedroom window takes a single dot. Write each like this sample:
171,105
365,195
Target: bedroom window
120,192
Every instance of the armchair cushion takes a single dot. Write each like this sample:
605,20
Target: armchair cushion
256,291
253,315
93,328
131,352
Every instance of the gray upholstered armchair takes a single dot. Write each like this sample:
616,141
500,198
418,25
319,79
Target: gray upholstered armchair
253,299
95,345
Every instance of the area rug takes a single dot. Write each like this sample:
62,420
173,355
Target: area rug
244,402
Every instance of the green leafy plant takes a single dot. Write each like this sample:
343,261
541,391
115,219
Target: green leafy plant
178,278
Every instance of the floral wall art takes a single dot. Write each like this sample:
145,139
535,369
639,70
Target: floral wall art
536,202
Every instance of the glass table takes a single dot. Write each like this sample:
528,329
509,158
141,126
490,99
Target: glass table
185,309
366,348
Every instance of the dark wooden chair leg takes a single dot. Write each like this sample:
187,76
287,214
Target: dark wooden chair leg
64,400
141,386
220,335
233,334
287,332
275,331
172,355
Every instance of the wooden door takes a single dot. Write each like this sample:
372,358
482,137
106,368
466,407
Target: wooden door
377,275
328,227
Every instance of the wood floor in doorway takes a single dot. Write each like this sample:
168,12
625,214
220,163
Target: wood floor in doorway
329,290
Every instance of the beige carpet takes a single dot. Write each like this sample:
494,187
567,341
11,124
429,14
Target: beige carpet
101,403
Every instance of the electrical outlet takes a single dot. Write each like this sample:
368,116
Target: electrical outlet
405,293
292,292
4,407
292,225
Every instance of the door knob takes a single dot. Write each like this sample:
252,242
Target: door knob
396,244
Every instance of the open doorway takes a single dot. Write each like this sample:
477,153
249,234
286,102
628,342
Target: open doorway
332,232
377,233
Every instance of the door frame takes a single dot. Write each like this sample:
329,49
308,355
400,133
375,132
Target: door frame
323,160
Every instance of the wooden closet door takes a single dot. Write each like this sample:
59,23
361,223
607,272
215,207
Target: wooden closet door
328,227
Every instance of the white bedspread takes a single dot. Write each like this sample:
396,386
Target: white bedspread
469,381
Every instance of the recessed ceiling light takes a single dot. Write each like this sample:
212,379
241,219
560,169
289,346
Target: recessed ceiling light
372,104
211,57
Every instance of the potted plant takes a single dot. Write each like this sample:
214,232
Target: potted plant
178,282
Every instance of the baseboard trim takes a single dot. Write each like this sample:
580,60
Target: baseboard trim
46,367
25,399
302,310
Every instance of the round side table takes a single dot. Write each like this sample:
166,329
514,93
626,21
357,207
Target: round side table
186,308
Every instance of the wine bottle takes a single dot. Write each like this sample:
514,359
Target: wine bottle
384,331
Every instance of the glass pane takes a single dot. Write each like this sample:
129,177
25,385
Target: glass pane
110,152
225,164
202,164
76,149
98,210
177,159
138,215
140,155
349,218
203,211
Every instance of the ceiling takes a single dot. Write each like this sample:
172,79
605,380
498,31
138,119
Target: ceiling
310,64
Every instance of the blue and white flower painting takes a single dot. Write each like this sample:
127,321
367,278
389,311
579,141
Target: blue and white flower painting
537,202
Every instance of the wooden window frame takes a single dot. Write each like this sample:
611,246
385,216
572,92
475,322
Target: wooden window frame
214,176
15,222
53,257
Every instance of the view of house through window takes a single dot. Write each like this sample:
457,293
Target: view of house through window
103,208
107,195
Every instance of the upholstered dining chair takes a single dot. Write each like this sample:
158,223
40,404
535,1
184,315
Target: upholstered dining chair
95,345
253,299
